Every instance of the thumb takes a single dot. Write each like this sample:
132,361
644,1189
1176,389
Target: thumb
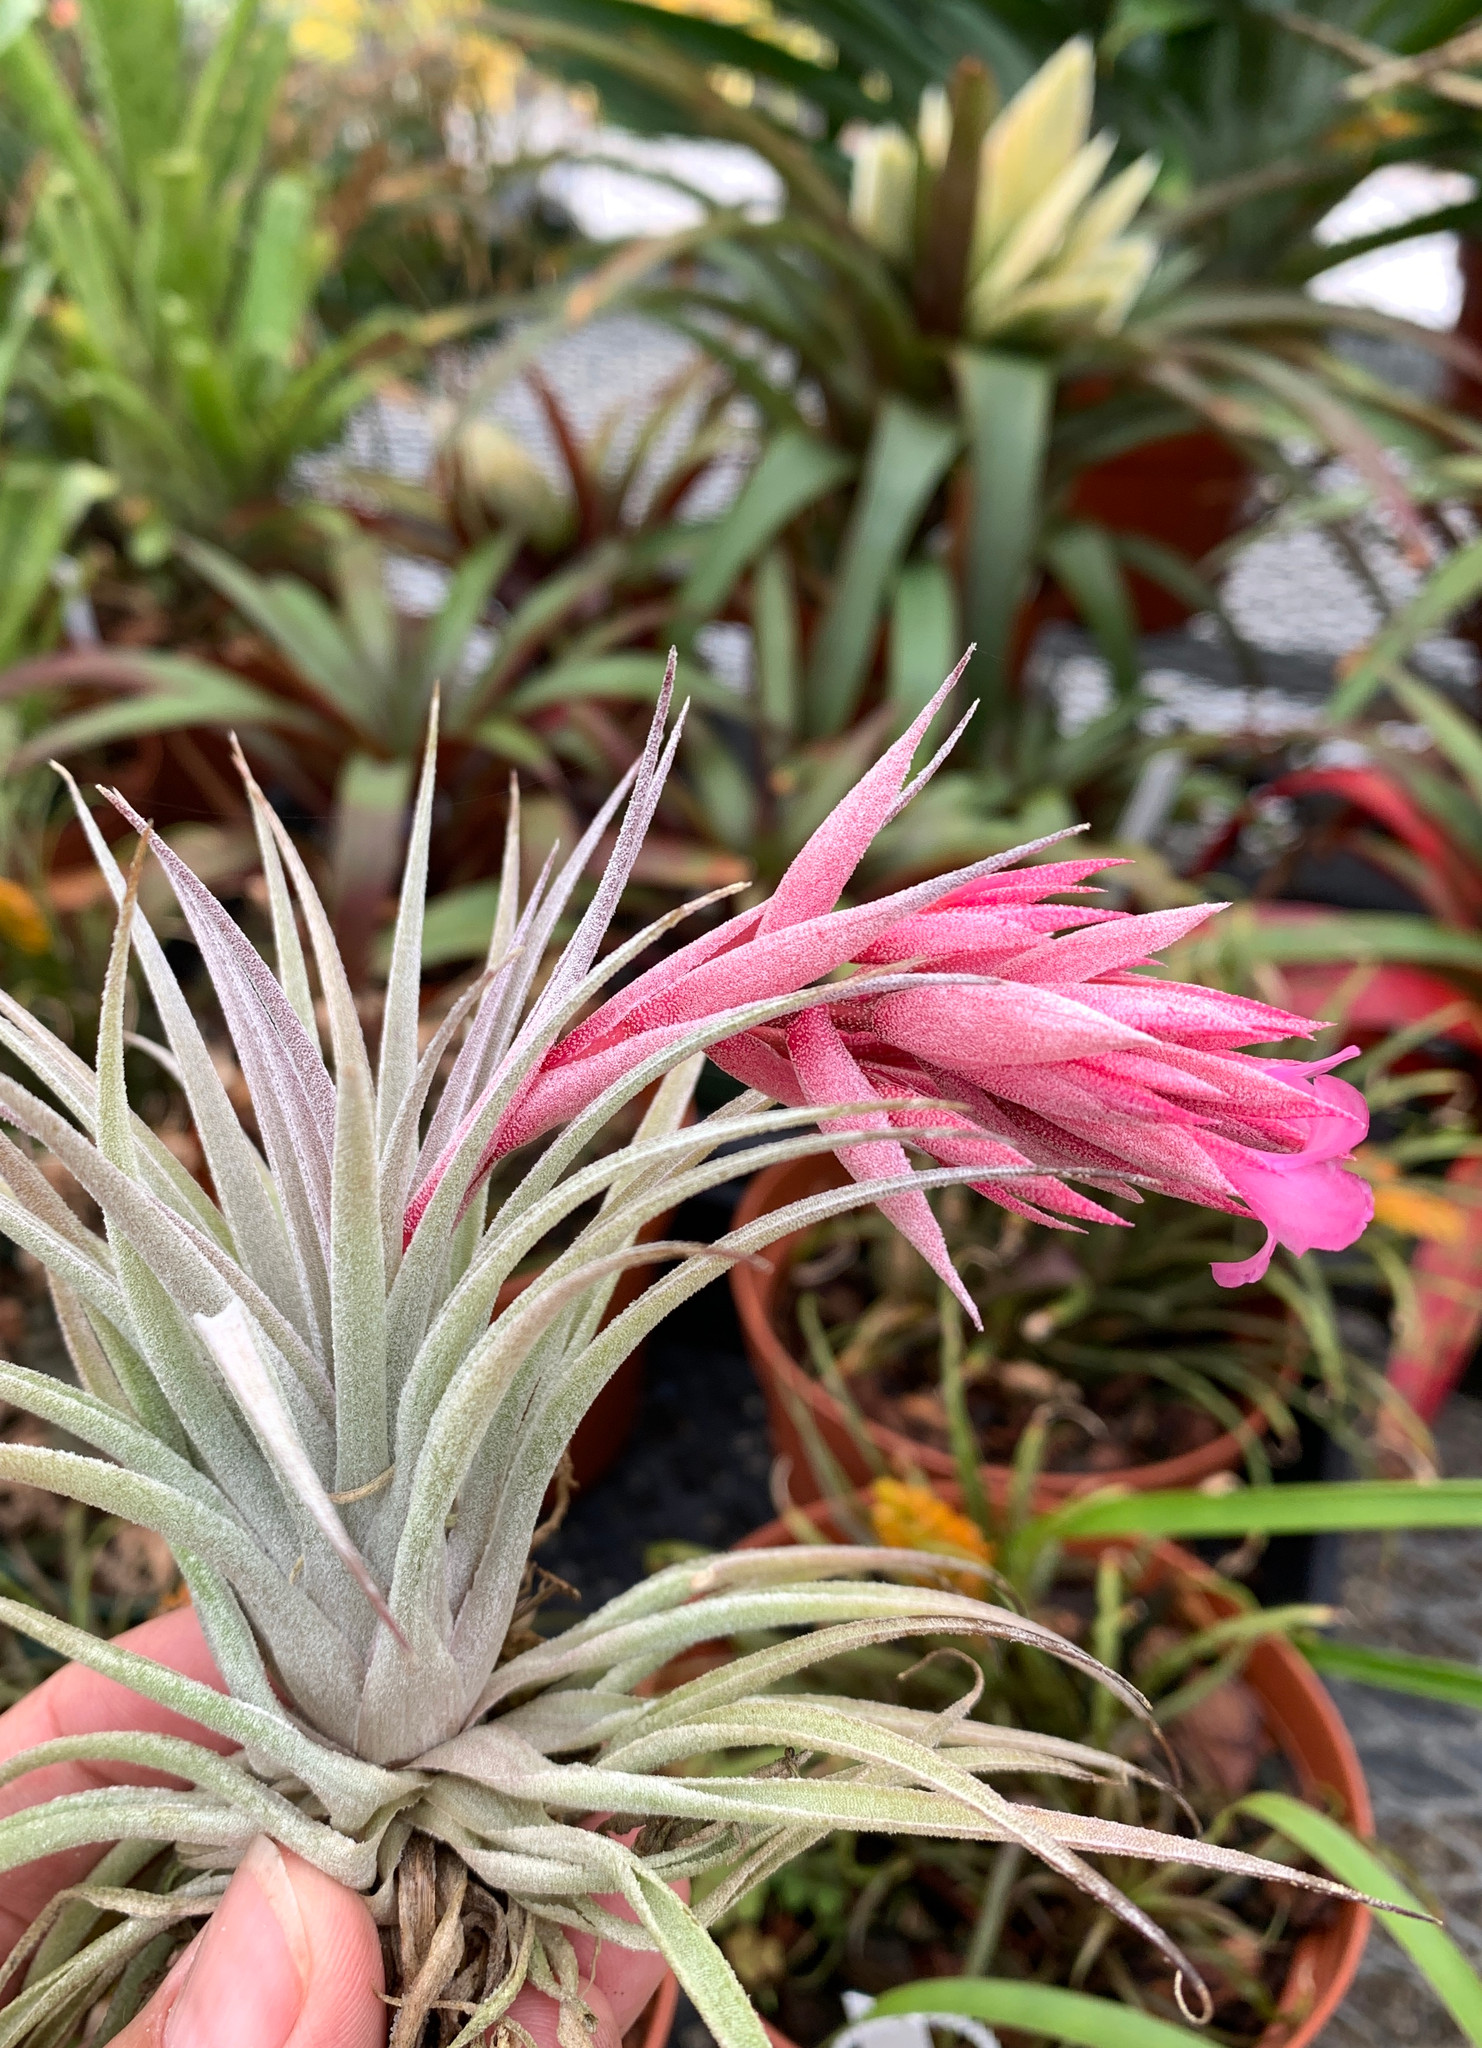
289,1959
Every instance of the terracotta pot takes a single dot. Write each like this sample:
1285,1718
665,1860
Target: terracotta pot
1305,1726
785,1382
1186,492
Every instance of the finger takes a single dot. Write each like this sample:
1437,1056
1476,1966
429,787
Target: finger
626,1978
616,1983
540,2017
77,1701
289,1959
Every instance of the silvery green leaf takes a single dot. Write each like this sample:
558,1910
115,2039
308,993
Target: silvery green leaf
129,1813
234,1649
293,972
633,1647
399,1154
230,1340
357,1275
65,1993
534,1456
392,1699
653,770
465,1314
74,1085
292,1094
104,1426
30,1184
313,1656
236,1169
487,1037
352,1789
507,914
89,1359
193,1270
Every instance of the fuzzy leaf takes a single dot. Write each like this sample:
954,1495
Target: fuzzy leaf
230,1340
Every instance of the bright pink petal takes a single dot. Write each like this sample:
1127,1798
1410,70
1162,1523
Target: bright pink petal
1240,1272
1316,1206
828,1073
1106,948
816,878
997,1025
976,939
1031,884
1176,1011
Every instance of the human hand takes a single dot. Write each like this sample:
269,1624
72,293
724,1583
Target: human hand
289,1959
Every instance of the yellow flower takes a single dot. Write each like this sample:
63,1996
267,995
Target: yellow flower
22,920
909,1517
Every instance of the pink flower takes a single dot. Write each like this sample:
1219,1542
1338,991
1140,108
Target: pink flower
1058,1054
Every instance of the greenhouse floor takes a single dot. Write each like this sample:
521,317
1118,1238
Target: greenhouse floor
697,1470
1424,1593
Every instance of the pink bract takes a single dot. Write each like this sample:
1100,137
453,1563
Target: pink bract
1059,1054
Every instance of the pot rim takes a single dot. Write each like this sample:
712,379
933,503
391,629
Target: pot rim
754,1291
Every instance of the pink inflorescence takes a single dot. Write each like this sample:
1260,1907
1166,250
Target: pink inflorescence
1063,1056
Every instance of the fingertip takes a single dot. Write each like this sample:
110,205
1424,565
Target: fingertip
628,1978
289,1959
343,2007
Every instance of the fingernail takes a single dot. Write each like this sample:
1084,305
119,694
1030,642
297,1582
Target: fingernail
246,1986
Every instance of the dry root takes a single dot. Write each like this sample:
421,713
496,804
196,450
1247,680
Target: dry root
449,1951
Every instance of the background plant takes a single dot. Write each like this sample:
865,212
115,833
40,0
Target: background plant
917,485
180,334
1107,1348
551,589
1255,113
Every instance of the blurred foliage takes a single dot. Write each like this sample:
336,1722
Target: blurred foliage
554,590
179,341
1241,101
1100,1350
919,489
399,128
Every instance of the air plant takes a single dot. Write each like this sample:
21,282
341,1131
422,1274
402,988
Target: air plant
295,1379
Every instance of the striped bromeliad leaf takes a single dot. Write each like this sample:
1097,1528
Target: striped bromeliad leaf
303,1382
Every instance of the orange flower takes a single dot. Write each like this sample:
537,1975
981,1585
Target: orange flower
913,1518
22,920
1419,1211
1418,1208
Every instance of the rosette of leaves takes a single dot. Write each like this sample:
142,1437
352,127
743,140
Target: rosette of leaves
296,1380
1054,247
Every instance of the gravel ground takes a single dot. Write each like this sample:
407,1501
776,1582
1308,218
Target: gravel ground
1423,1593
